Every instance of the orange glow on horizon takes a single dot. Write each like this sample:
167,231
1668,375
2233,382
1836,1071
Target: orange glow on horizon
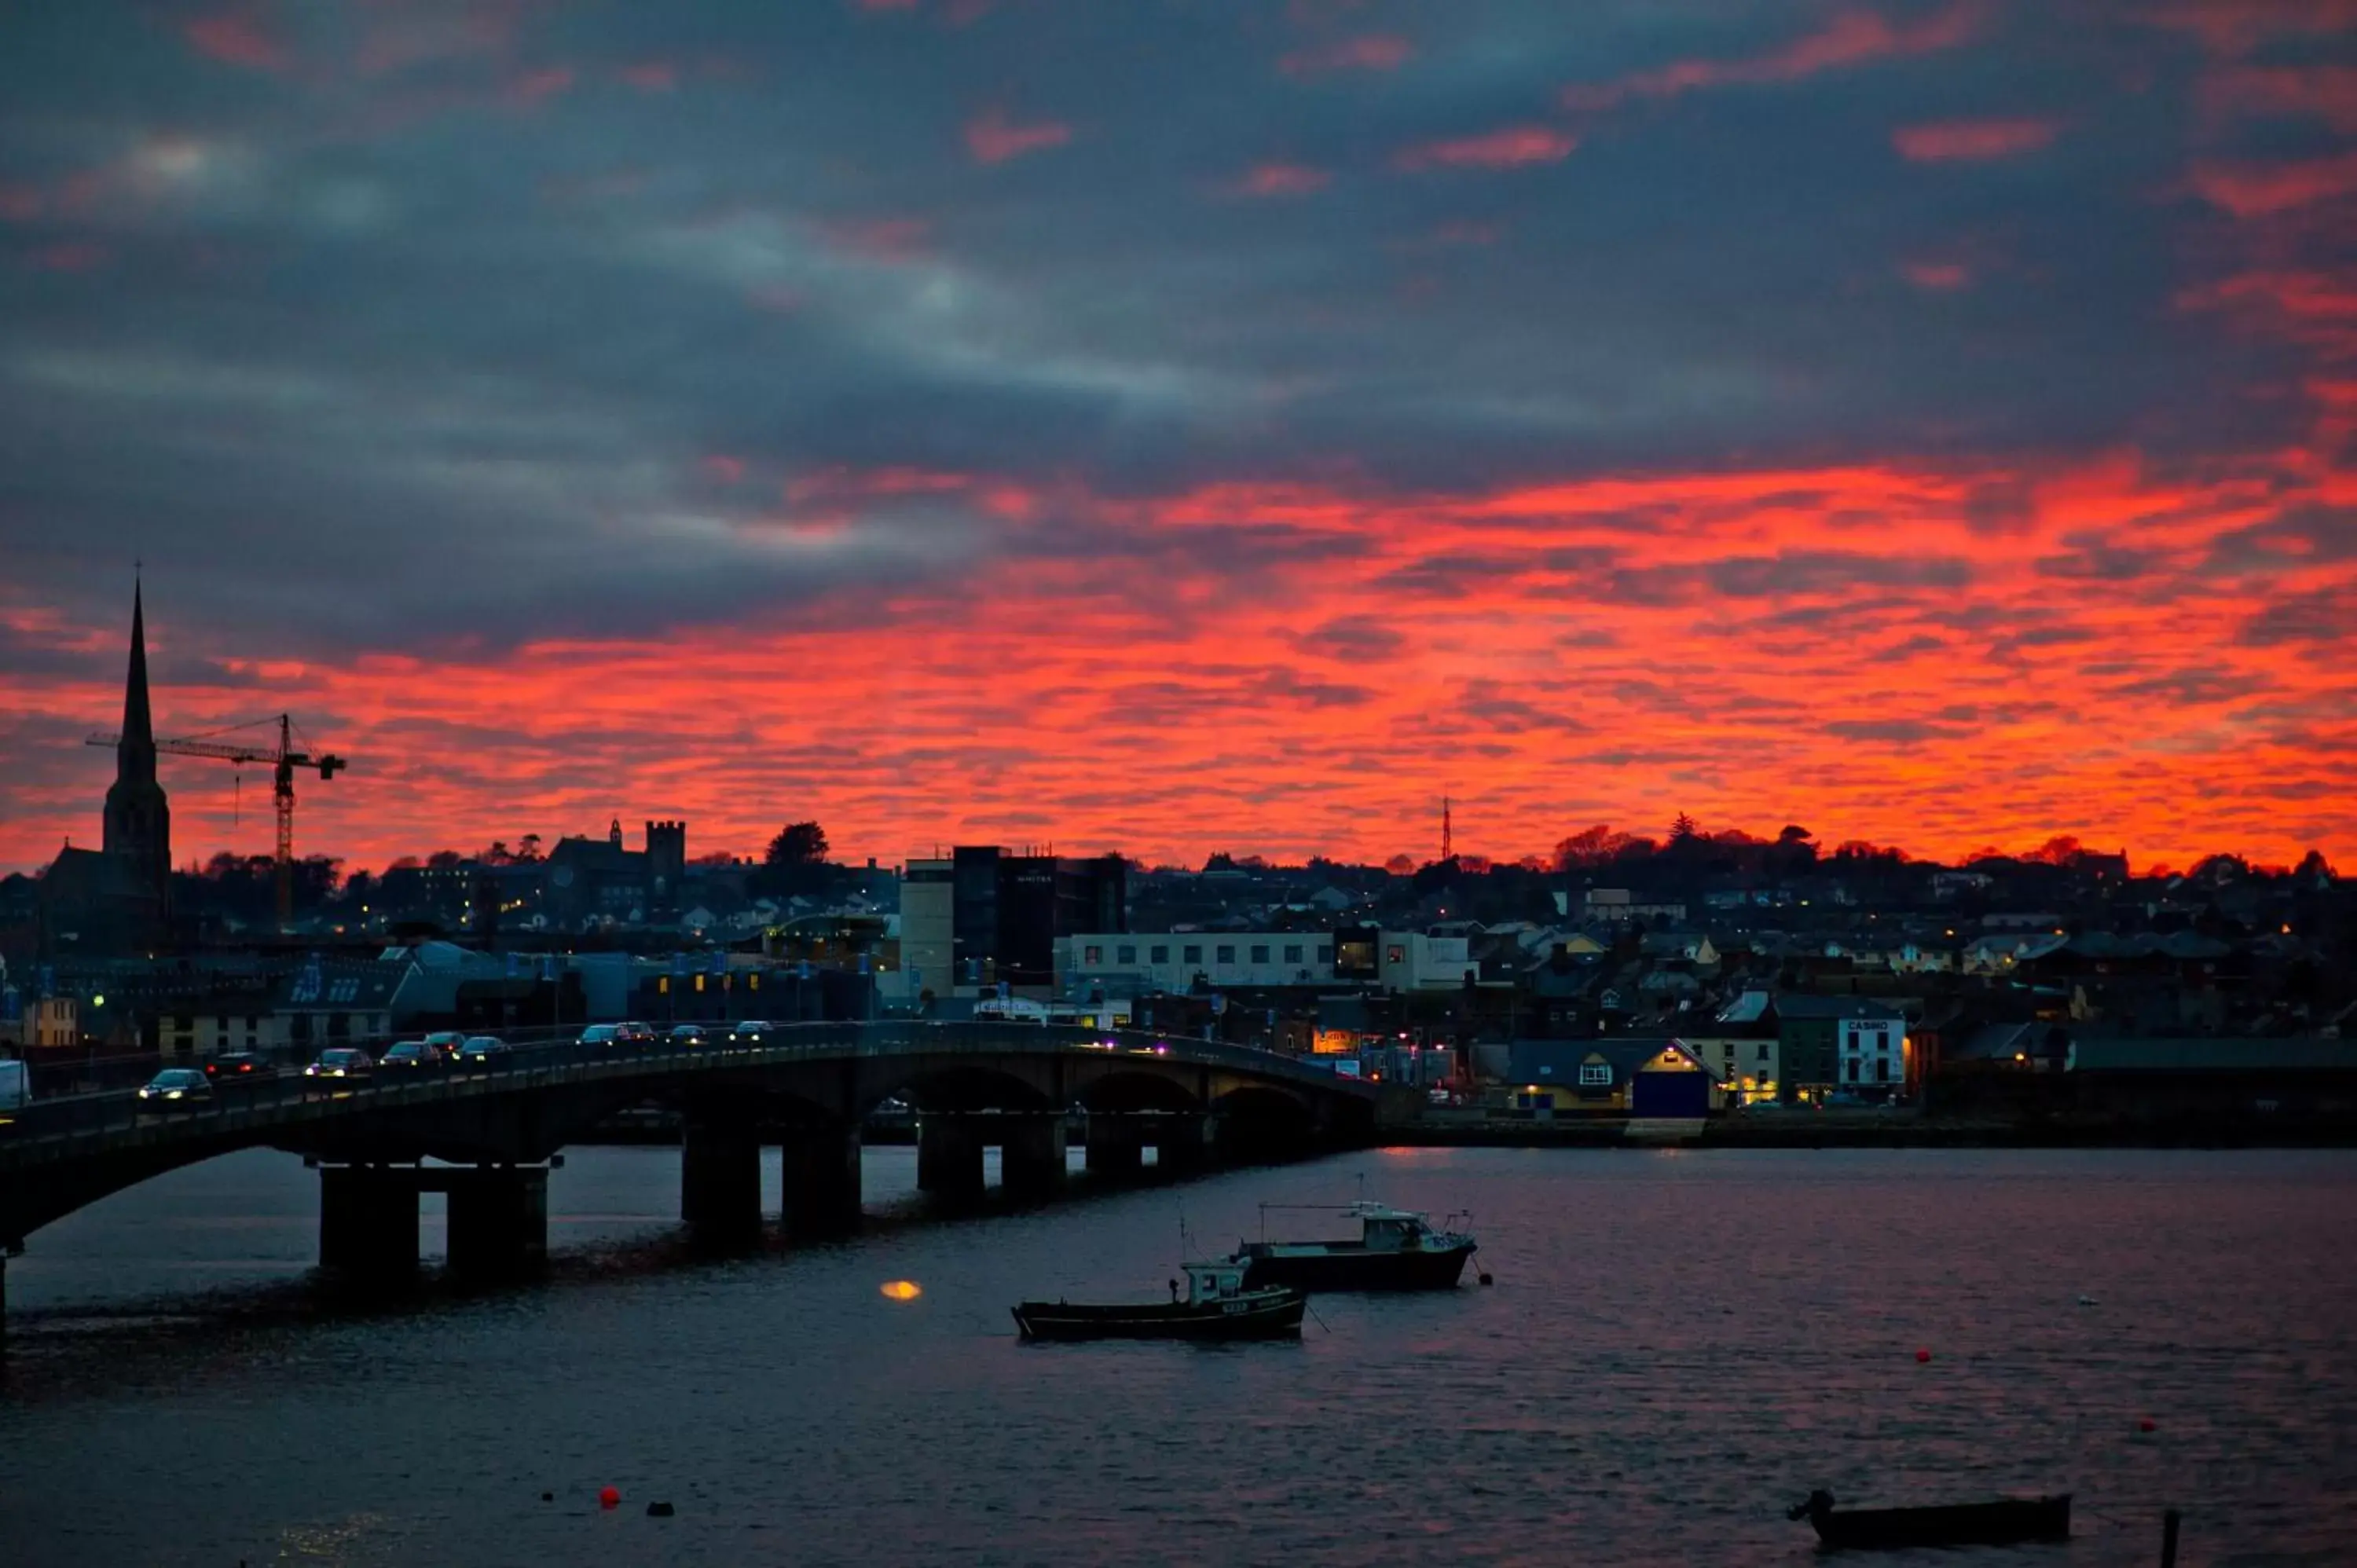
1944,657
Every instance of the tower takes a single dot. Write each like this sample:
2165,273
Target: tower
666,864
139,819
1448,845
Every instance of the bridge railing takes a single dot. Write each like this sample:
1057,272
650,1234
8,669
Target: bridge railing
537,1058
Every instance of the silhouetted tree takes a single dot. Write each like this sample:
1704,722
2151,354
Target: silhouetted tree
800,843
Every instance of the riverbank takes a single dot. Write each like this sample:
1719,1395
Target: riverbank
1835,1129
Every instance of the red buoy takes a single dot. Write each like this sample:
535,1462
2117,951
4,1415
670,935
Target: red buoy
1922,1356
2148,1424
610,1498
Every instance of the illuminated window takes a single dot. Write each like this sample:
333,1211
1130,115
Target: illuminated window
1395,954
1093,955
1595,1075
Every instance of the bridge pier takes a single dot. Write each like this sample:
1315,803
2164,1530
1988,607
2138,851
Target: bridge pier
1184,1144
498,1222
1031,1164
1116,1147
822,1184
720,1181
367,1221
949,1157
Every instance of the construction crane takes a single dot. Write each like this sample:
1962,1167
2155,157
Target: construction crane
284,760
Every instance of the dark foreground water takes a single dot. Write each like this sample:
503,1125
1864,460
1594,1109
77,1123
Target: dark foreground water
1676,1346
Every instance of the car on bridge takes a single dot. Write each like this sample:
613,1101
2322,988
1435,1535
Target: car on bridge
601,1034
689,1034
631,1032
411,1055
447,1043
484,1052
175,1088
232,1067
341,1061
750,1031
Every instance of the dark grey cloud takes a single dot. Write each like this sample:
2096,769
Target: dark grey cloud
416,327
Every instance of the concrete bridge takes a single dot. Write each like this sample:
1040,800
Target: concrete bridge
806,1087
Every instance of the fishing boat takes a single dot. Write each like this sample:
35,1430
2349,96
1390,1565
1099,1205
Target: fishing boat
2004,1522
1396,1249
1218,1305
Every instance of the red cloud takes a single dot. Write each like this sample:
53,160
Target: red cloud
1505,148
2257,190
538,86
1937,277
1850,38
2153,650
68,257
1974,141
1374,51
1281,180
2237,27
879,239
236,37
20,203
992,139
2326,93
651,76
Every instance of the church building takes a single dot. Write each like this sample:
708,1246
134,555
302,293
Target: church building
118,897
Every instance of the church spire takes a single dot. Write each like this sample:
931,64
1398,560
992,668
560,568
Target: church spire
135,754
138,818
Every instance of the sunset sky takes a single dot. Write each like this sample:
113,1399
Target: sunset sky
1177,426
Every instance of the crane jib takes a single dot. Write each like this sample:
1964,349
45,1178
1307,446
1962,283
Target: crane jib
284,759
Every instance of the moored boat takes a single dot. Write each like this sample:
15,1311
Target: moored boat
1218,1305
1396,1249
2003,1523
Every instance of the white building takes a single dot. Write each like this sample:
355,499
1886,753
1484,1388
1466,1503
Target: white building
1746,1066
1137,963
928,934
1411,961
1873,1056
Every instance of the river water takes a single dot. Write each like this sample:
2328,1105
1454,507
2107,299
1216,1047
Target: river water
1676,1346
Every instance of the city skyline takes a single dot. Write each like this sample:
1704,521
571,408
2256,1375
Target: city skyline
954,422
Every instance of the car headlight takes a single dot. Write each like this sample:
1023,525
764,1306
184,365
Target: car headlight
172,1093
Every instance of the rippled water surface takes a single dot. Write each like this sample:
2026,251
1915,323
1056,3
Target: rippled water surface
1676,1346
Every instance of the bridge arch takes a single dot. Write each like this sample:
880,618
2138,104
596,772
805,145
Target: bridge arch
1124,1091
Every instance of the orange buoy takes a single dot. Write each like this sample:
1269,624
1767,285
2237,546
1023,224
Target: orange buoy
610,1498
1922,1356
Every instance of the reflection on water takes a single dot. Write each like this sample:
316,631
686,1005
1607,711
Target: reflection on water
1675,1347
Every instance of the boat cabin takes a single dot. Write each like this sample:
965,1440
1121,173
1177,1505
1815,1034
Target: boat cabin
1221,1281
1391,1229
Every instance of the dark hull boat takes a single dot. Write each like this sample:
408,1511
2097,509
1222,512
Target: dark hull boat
1395,1249
1351,1265
2006,1522
1273,1314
